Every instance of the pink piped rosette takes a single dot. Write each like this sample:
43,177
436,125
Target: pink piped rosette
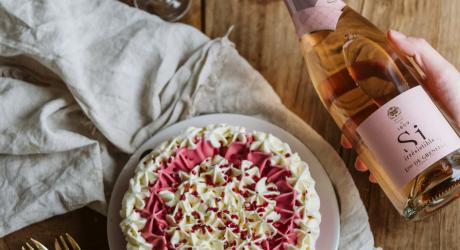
220,187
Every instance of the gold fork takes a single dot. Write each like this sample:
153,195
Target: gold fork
65,243
30,246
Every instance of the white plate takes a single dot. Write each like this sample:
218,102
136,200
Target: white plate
330,224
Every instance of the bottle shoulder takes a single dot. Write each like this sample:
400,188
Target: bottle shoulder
349,23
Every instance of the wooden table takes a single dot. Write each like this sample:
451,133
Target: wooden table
264,35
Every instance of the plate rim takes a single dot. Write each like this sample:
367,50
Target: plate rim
326,193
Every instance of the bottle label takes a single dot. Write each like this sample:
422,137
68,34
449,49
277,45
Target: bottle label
407,135
315,15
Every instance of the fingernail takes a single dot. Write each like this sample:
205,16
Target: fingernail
372,179
397,34
360,166
345,143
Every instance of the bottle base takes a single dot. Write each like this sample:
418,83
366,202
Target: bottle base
420,208
434,188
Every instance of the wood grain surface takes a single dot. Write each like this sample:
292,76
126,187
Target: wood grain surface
264,35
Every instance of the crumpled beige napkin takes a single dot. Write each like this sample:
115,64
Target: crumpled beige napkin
85,82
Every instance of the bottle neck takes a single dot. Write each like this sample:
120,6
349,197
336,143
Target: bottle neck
314,15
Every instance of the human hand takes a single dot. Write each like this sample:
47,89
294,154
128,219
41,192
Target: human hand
442,80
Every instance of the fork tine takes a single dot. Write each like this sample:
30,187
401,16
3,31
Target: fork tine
33,244
73,243
56,245
38,244
64,244
29,246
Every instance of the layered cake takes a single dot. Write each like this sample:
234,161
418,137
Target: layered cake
221,187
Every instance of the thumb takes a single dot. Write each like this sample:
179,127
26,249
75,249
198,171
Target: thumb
442,80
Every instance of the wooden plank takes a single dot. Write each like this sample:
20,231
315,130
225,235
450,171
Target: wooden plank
193,17
446,42
3,245
446,34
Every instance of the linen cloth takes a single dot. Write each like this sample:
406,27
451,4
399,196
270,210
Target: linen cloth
85,82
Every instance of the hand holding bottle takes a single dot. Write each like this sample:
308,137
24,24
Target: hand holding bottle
383,105
442,80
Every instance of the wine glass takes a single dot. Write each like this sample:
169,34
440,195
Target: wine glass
168,10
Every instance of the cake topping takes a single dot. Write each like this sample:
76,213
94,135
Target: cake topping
221,188
232,200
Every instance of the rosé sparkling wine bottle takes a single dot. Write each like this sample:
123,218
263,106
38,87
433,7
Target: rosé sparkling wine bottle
375,97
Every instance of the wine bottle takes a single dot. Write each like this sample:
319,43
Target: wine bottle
375,96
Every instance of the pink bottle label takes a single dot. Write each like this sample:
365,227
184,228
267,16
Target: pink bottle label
407,135
315,15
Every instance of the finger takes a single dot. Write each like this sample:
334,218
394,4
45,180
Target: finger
442,78
360,166
345,142
372,178
431,62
